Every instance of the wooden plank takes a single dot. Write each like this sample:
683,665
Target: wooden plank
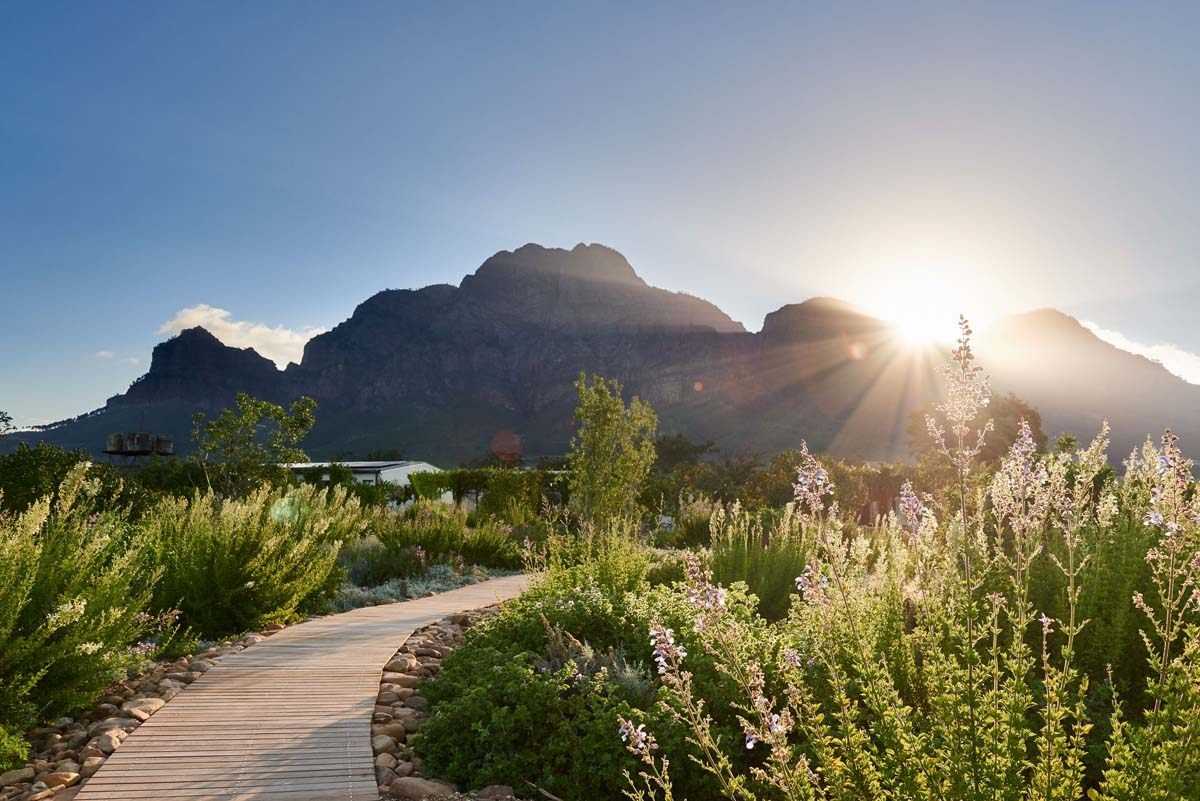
287,719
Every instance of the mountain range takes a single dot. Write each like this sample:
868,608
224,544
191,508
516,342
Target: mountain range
443,372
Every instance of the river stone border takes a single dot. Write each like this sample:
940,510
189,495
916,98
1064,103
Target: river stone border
400,709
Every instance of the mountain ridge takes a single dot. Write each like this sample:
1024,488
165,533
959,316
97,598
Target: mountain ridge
437,371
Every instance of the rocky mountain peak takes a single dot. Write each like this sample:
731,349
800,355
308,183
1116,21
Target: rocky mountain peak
195,363
818,318
594,264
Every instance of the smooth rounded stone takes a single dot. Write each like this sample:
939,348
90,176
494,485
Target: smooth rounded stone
379,717
77,739
402,679
404,769
39,795
401,664
90,766
89,751
402,712
67,766
417,789
147,705
418,703
61,779
384,776
397,731
410,724
109,741
383,710
386,761
383,744
495,792
17,776
112,723
63,723
388,697
181,678
169,693
251,639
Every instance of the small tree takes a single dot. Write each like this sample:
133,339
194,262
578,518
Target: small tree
612,451
251,441
5,422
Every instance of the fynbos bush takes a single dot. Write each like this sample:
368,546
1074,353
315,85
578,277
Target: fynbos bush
74,583
234,564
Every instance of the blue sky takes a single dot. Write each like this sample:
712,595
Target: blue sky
277,163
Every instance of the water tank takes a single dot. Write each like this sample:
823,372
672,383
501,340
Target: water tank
138,442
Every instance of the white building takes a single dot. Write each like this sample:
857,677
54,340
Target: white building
396,472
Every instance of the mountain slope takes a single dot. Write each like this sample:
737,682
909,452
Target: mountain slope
438,371
1077,380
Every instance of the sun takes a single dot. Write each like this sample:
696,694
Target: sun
917,330
922,310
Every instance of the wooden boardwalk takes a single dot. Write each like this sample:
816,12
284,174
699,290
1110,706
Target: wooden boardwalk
288,719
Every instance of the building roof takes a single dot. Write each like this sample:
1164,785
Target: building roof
361,466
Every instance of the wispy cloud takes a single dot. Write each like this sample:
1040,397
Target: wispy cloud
105,354
1175,359
279,343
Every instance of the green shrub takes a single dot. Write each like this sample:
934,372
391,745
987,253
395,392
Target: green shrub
367,562
441,533
765,550
513,496
499,719
694,524
231,565
74,583
14,749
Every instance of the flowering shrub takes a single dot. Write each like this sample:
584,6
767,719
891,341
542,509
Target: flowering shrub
74,581
916,662
235,564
